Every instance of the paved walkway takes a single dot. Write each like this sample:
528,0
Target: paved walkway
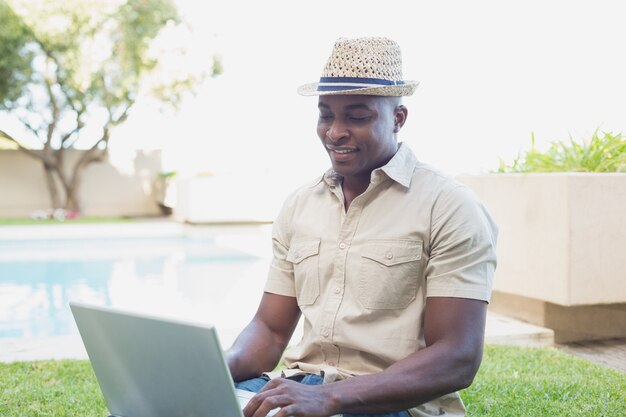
500,330
609,353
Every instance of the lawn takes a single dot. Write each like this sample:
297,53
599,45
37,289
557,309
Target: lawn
543,382
511,382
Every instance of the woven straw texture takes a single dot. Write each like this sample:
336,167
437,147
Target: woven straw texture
369,57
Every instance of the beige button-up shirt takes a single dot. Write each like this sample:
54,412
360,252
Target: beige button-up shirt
361,277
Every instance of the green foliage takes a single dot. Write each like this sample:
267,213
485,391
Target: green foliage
63,63
70,66
606,153
512,382
71,56
15,58
140,21
6,144
167,174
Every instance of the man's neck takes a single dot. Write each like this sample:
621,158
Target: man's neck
352,188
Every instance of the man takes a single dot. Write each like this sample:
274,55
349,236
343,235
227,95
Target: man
388,262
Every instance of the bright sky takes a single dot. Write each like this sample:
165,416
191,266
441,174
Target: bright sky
491,73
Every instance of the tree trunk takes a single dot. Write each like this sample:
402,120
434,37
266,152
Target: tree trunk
64,188
53,190
73,182
72,202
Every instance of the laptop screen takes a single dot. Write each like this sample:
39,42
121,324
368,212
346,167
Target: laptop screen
148,366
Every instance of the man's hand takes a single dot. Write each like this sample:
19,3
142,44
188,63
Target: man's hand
293,398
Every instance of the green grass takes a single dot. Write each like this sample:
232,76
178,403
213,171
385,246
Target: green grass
511,382
78,220
50,388
601,153
543,382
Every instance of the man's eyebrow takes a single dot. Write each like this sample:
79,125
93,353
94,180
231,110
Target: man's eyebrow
356,106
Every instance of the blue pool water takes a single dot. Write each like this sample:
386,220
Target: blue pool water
211,276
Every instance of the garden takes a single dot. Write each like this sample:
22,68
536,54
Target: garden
550,204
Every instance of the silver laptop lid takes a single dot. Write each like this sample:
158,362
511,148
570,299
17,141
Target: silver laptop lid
150,367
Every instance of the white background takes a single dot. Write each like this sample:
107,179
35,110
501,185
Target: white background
490,72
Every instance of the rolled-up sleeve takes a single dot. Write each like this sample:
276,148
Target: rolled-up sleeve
280,278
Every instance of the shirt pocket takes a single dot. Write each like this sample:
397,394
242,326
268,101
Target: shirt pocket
390,273
304,255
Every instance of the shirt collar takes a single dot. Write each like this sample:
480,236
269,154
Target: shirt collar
331,178
401,167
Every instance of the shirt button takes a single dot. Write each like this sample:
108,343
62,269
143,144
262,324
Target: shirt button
389,255
325,333
337,290
342,245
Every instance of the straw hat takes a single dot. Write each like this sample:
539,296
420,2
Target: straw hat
364,66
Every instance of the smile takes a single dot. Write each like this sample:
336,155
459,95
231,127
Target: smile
340,150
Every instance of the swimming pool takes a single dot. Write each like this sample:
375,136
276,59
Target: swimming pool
208,273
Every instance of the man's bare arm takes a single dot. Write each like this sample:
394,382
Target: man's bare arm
454,332
259,347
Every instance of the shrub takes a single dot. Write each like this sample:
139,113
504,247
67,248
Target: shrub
606,153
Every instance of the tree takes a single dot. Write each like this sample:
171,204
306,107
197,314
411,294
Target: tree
70,64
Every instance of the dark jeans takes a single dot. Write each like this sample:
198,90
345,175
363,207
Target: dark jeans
256,384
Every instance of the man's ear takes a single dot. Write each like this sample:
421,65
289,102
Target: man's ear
400,115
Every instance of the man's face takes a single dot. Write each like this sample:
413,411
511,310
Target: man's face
358,132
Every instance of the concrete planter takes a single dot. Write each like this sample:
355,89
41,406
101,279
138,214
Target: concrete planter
562,250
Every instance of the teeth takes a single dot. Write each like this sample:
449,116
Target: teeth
343,150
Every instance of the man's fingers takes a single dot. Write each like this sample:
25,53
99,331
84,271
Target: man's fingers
263,402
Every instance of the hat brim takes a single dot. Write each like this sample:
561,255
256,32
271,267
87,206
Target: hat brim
405,89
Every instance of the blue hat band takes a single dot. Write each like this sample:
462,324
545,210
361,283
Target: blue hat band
353,83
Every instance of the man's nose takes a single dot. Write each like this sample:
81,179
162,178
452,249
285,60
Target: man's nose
336,132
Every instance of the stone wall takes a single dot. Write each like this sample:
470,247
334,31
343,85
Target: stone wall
106,190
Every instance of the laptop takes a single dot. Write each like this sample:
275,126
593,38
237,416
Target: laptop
148,366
